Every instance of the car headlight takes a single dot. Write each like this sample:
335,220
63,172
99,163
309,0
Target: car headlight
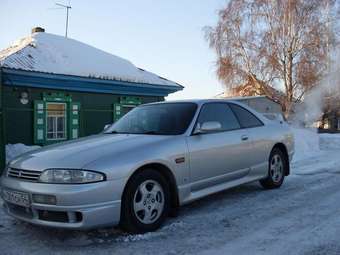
70,176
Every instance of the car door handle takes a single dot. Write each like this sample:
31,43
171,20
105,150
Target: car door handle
244,138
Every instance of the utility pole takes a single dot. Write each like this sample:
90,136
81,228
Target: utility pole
67,7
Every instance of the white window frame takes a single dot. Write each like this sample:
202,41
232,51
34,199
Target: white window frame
55,132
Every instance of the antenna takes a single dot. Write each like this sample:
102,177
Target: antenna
67,7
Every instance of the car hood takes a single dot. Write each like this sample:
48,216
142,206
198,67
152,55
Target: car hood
81,152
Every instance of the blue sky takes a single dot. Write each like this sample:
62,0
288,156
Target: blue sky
163,36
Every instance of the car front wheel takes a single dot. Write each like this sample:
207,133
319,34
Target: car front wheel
145,203
276,170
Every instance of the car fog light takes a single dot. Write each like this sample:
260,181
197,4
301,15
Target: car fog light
44,199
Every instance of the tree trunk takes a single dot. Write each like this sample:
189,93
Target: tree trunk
289,85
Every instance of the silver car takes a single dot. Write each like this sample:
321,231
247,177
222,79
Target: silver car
142,168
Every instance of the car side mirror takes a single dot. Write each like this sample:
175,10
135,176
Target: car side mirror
207,127
106,126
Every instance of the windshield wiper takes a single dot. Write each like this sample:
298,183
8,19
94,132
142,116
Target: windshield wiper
112,132
151,132
116,132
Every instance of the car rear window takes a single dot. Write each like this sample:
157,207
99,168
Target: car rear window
245,117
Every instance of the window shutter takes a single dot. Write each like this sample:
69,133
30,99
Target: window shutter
74,113
117,111
130,100
39,122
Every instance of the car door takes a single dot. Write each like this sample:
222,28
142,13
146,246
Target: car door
219,156
258,135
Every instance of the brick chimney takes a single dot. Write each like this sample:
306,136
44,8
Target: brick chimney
38,30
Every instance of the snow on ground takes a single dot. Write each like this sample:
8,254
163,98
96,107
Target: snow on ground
300,218
49,53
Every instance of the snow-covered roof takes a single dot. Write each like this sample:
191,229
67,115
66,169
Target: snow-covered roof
224,95
247,97
49,53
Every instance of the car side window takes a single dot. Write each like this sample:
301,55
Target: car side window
219,112
246,118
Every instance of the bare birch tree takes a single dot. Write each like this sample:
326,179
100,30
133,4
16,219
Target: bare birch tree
282,44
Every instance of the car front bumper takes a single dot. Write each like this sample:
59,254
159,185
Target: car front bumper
81,206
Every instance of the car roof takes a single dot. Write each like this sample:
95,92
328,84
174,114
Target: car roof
196,101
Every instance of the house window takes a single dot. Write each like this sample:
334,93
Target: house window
56,121
56,118
125,105
326,123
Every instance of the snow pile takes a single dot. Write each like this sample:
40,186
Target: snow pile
14,150
330,141
44,52
309,143
315,153
306,143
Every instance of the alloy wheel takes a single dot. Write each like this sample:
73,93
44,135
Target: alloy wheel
148,202
276,168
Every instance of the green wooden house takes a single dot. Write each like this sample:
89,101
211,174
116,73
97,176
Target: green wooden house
55,89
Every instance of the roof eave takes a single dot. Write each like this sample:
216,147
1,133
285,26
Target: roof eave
24,78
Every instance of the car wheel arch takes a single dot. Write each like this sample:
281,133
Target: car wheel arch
168,175
284,150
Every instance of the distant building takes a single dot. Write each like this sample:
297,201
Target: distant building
260,103
55,89
330,120
250,89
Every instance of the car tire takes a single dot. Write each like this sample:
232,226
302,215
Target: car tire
277,169
145,202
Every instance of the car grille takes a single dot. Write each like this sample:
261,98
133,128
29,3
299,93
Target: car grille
23,174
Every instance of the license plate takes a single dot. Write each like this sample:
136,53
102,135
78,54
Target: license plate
16,197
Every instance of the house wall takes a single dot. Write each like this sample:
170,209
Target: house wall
95,112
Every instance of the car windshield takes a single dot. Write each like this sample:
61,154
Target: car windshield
156,119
